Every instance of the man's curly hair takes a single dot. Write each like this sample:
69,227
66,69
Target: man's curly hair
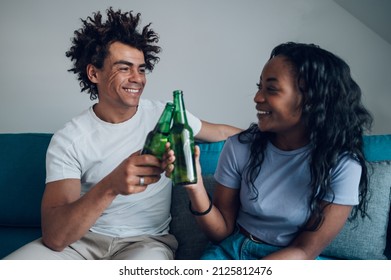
91,43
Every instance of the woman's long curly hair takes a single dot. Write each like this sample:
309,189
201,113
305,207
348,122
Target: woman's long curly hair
91,43
335,117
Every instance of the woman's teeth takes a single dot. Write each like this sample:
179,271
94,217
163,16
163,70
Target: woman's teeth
264,112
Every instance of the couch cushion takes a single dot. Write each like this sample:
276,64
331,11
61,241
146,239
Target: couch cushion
15,237
209,157
191,239
377,147
22,178
366,238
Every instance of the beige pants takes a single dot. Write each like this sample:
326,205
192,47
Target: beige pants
94,246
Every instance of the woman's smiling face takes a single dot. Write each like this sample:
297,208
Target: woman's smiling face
279,100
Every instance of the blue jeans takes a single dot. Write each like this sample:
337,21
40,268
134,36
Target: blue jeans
238,247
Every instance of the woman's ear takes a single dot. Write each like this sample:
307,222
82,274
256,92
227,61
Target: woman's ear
92,73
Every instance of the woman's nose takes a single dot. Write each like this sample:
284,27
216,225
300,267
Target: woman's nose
259,97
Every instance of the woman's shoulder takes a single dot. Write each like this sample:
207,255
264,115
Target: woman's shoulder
235,146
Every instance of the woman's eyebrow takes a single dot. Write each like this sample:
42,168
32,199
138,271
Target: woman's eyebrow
271,79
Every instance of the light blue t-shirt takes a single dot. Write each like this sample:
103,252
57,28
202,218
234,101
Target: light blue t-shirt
283,189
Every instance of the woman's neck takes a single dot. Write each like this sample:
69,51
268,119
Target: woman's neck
289,142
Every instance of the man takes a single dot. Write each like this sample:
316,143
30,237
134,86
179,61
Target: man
103,200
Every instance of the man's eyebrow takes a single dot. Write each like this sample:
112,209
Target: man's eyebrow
127,63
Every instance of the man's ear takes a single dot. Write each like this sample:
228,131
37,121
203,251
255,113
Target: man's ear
92,73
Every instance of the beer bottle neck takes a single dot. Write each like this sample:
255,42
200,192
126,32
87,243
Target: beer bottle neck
180,111
164,122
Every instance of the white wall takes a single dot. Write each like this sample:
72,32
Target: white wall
212,49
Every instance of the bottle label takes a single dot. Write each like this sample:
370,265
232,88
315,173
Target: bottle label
187,148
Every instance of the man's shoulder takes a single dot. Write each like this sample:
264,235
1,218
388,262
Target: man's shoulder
148,104
74,128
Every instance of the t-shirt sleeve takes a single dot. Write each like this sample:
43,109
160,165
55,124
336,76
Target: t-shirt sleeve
345,182
227,170
61,160
194,122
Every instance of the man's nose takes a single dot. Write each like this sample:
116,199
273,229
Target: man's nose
136,76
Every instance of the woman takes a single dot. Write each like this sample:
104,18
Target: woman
287,185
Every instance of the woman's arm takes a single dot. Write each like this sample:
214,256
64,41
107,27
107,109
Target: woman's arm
309,244
219,222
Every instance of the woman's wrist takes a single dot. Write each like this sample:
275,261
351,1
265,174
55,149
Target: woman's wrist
196,213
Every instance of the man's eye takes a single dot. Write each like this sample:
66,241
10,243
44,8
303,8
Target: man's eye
142,70
124,69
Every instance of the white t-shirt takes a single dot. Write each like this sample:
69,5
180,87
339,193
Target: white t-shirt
88,149
283,188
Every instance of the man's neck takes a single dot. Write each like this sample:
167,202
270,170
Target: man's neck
114,116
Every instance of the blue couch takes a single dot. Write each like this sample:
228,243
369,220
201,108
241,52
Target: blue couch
22,181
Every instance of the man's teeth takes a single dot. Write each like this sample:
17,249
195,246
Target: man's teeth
132,90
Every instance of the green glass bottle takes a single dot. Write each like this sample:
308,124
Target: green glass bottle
157,138
182,142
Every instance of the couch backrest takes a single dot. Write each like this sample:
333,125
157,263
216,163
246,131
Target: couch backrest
376,148
22,177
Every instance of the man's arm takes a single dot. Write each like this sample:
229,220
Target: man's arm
211,132
67,216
